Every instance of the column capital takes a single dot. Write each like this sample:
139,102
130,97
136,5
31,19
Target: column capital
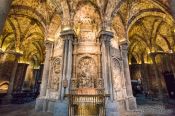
65,34
106,35
124,45
106,23
15,53
152,55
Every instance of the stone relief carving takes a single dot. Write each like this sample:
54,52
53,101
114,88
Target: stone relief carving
55,74
117,79
74,83
87,73
87,36
100,83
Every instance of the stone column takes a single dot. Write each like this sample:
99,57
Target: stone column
12,78
105,38
144,75
19,77
110,105
40,77
7,98
68,37
172,6
131,102
2,54
157,76
41,102
4,9
62,105
48,45
36,77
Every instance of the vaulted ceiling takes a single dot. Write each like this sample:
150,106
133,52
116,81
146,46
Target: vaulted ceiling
148,24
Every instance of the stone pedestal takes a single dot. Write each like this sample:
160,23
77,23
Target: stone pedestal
45,105
111,108
40,104
61,108
131,103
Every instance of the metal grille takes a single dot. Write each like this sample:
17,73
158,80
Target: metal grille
87,105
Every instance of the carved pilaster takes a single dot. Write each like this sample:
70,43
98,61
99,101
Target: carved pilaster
105,38
48,45
131,102
68,37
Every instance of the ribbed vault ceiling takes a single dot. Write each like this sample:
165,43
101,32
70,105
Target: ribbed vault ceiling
148,24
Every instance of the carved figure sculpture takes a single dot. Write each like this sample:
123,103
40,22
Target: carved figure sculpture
56,69
86,72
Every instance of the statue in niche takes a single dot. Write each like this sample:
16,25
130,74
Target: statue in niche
86,73
100,83
56,71
116,71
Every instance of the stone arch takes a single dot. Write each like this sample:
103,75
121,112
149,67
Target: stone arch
87,16
148,13
81,4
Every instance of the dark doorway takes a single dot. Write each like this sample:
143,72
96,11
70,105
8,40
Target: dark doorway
170,83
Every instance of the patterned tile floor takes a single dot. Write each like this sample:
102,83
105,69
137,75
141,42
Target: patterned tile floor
146,106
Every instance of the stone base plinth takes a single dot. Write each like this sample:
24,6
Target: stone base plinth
6,99
111,108
61,108
45,105
124,110
131,103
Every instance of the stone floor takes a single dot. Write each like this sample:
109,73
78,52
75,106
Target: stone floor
154,107
21,110
146,106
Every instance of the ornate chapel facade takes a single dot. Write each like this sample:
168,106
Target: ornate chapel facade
86,69
88,48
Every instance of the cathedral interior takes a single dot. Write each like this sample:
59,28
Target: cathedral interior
87,57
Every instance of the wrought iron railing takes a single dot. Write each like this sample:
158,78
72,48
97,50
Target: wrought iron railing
87,105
